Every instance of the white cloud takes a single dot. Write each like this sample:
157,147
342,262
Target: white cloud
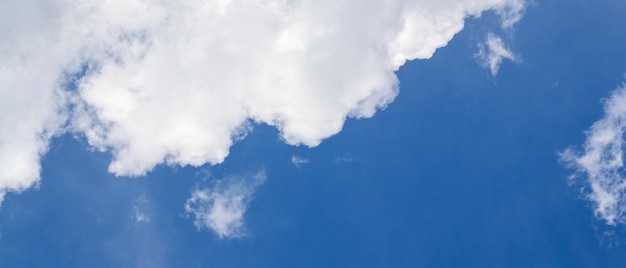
221,206
139,210
177,82
298,161
512,13
492,52
30,101
601,163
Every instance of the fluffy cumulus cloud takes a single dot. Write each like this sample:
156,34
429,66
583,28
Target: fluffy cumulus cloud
601,163
221,206
177,82
493,52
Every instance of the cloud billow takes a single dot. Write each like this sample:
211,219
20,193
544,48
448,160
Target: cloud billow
178,82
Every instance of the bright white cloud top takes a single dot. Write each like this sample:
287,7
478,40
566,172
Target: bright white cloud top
602,162
177,82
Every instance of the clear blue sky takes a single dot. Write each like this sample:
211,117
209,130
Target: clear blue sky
462,169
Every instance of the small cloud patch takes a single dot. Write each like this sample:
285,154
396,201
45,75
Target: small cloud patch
299,161
139,210
221,206
492,52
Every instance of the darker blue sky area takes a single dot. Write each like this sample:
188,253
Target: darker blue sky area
461,170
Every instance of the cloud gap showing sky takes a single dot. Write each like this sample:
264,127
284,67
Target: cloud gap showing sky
177,83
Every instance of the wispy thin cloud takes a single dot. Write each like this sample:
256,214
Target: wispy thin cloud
140,214
221,206
345,159
492,52
299,161
601,164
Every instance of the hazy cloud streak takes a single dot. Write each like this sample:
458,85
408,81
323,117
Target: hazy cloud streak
299,161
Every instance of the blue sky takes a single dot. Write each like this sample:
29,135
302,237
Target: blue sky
460,166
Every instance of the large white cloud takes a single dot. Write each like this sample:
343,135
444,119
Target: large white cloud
177,81
33,56
601,164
